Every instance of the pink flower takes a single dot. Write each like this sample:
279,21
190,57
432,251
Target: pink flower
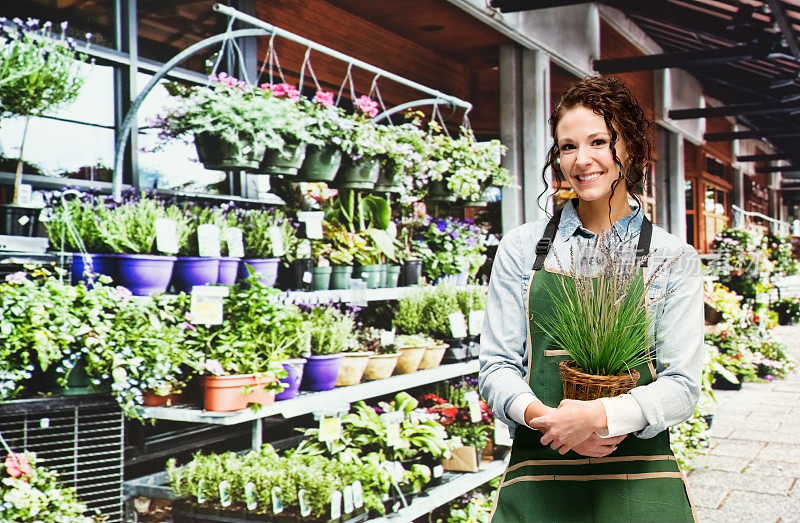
284,89
18,465
17,277
121,294
323,97
185,325
367,105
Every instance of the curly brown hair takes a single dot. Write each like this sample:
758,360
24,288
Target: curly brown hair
610,98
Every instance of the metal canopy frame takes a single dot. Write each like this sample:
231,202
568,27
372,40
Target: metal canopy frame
261,28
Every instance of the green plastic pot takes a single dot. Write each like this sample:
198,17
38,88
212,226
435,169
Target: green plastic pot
392,275
438,192
388,179
384,275
358,174
340,276
218,154
320,164
371,274
321,278
286,161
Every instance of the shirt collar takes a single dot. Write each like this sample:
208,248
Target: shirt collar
570,223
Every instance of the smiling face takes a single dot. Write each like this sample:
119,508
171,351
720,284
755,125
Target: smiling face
584,144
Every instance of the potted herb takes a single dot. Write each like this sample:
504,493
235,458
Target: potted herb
332,332
343,246
228,262
267,234
39,72
193,267
129,230
601,321
231,123
412,349
408,245
383,357
321,250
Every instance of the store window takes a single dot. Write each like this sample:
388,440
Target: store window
714,212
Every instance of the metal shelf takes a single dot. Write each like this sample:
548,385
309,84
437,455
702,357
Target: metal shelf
454,484
311,402
349,295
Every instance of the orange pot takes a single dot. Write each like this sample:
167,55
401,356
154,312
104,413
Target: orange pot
151,399
226,393
259,395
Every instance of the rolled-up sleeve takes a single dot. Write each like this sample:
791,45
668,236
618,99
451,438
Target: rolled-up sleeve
672,397
503,356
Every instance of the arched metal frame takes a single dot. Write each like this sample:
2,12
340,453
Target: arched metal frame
263,29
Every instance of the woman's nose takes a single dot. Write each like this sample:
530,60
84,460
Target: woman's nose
583,156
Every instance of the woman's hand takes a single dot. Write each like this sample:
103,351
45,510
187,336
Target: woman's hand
571,424
596,447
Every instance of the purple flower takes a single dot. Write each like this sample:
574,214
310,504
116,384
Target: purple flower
453,235
17,277
187,326
441,225
470,241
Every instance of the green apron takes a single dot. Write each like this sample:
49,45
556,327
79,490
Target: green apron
638,482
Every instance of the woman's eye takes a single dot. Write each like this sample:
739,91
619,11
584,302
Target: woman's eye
566,147
599,141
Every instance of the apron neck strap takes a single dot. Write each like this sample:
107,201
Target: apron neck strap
543,245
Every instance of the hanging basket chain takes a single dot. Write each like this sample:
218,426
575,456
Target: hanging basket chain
374,89
223,47
347,76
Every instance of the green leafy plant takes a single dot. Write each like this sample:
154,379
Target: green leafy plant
130,227
332,331
788,309
427,310
448,246
602,321
73,223
256,225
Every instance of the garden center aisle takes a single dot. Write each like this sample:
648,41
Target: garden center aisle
753,471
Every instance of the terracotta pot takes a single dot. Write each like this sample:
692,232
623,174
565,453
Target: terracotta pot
432,357
225,393
151,399
380,366
259,395
352,367
410,358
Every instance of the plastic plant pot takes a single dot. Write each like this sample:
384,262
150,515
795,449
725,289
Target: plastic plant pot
228,269
320,372
194,270
340,276
145,274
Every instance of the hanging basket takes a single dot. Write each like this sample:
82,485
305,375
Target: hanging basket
285,161
320,164
389,178
578,385
218,154
438,192
358,174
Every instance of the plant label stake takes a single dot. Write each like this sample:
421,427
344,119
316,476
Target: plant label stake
208,240
302,500
225,493
392,420
24,198
166,236
330,429
358,494
233,238
313,221
437,471
206,305
277,504
250,495
474,405
502,436
348,499
276,239
336,504
201,497
476,322
458,326
387,338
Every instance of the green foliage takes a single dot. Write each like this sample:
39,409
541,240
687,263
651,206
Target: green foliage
426,310
130,227
256,224
82,215
779,251
332,331
689,440
447,246
787,308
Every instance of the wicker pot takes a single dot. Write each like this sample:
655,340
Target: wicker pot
578,385
433,357
352,368
410,358
380,366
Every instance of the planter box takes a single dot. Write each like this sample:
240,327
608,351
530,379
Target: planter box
463,459
185,512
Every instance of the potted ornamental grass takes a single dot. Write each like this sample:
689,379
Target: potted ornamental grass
600,318
267,234
129,230
39,72
198,260
332,333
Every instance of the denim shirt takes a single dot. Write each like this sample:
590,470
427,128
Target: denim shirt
678,318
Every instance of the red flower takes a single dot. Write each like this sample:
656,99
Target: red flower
18,465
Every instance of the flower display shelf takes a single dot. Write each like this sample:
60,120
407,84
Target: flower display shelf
349,295
453,485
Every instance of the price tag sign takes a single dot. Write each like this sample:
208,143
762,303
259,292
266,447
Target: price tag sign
166,236
225,493
201,497
476,322
233,238
277,504
358,286
313,221
330,429
458,325
24,198
437,471
208,244
250,498
336,504
387,338
302,500
307,277
358,494
276,239
474,405
502,436
206,304
347,499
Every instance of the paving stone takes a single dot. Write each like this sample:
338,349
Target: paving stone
708,515
788,437
726,463
780,452
773,468
784,398
749,506
746,450
757,420
738,481
707,497
787,386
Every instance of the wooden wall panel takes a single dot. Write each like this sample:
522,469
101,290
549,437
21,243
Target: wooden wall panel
560,81
722,151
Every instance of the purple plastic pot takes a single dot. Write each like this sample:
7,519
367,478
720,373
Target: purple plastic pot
294,369
320,372
228,268
194,270
462,278
145,274
266,268
98,264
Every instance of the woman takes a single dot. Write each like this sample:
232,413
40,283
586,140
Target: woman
608,459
